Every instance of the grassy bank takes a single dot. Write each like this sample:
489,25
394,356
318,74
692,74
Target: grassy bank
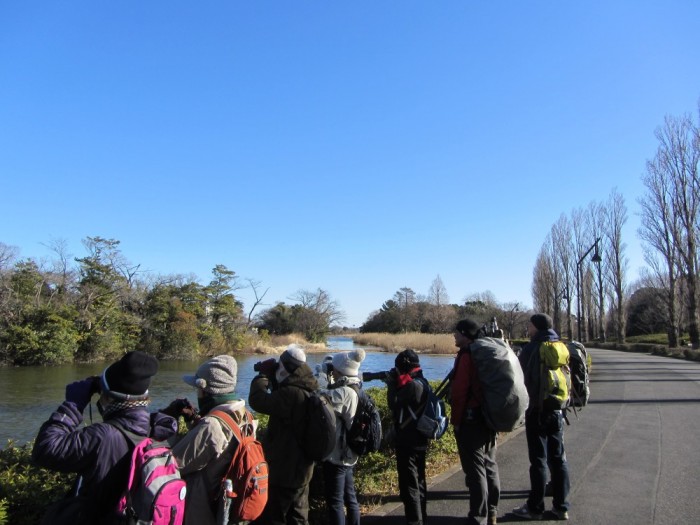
26,490
428,343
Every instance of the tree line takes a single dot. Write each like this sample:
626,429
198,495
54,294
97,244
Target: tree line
99,306
580,276
408,311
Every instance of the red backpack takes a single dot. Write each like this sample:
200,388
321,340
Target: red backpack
244,488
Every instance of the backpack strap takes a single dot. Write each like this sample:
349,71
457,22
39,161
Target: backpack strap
132,439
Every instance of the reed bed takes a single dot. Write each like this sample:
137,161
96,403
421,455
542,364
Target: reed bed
426,343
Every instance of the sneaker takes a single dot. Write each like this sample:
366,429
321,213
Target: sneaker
560,514
525,513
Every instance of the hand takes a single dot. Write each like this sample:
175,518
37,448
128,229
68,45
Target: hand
267,367
80,392
181,407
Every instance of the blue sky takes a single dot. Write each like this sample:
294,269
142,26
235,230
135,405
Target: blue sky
354,146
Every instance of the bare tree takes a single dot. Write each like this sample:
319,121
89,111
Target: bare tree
657,233
616,213
597,221
255,287
678,156
565,274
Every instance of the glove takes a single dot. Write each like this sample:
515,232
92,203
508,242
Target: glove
266,368
181,407
80,392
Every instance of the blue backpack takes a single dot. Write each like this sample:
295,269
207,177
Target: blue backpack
433,421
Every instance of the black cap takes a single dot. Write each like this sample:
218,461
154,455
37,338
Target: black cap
468,328
541,321
407,360
131,375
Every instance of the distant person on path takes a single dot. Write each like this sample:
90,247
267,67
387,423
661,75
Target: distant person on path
406,395
100,453
280,390
544,430
205,452
476,441
338,476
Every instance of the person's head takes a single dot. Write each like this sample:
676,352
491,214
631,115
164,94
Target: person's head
291,359
406,361
348,363
214,377
327,364
125,384
466,331
539,323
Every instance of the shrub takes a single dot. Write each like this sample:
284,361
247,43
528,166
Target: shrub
26,488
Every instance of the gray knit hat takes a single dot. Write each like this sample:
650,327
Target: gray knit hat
216,376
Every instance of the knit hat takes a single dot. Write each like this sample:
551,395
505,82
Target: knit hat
216,376
468,328
131,375
348,363
406,361
292,358
541,321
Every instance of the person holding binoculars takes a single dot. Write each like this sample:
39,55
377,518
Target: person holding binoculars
280,390
99,453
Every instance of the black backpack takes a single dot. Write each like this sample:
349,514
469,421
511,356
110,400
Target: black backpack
318,435
578,364
365,433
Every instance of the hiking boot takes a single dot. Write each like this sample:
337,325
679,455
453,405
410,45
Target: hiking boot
560,514
493,520
525,513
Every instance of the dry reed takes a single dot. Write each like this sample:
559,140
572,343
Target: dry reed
426,343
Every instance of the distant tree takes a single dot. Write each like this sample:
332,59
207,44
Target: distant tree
646,313
440,315
315,312
616,218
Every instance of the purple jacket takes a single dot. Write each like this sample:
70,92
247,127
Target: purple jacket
99,452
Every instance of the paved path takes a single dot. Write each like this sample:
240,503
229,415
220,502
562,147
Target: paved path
633,453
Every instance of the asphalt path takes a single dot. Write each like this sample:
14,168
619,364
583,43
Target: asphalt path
633,451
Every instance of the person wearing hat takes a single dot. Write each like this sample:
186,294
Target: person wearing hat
339,483
280,390
407,393
99,453
323,372
544,430
476,441
205,452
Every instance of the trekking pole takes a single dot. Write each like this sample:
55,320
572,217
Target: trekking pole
441,390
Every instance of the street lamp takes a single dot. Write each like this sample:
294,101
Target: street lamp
596,259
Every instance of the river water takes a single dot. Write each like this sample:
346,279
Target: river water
28,395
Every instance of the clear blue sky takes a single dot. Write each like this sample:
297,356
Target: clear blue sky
354,146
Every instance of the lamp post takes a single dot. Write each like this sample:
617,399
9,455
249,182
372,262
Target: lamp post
596,259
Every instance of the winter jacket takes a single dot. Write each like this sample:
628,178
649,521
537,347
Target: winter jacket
466,391
286,406
204,455
99,453
344,400
530,363
406,395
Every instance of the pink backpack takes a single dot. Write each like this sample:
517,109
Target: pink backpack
155,492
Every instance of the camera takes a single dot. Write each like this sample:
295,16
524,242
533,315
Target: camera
96,385
371,376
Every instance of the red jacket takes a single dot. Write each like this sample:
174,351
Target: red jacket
466,390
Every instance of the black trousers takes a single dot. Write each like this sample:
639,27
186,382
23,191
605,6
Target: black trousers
286,506
410,464
476,443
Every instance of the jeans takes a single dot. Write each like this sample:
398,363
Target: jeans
410,465
340,494
545,446
476,443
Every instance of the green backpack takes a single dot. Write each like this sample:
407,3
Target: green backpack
555,376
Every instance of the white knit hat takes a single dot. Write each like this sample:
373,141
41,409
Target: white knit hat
348,363
216,376
293,357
